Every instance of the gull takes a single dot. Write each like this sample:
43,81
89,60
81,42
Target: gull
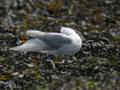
67,42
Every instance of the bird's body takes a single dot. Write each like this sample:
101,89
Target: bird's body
68,42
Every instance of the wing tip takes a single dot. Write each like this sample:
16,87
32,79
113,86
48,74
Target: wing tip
14,49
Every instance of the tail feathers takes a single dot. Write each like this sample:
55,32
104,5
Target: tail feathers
32,45
35,33
18,48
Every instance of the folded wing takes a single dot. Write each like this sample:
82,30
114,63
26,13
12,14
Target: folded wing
43,41
32,45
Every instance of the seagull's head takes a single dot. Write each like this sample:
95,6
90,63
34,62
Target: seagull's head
67,31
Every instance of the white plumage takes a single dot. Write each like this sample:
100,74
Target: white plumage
67,42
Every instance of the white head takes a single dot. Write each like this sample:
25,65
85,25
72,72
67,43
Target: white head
67,31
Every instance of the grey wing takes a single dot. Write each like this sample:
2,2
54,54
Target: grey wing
34,33
55,41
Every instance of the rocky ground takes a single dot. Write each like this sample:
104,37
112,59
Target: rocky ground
95,67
